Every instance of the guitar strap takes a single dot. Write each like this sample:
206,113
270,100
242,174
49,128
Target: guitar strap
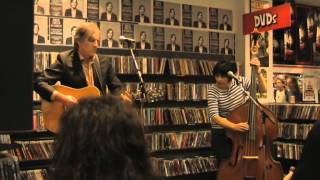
97,69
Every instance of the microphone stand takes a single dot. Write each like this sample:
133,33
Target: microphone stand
141,83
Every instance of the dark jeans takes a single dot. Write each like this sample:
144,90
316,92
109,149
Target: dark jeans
221,144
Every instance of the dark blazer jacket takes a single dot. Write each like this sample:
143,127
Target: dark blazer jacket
223,51
40,39
169,47
196,24
146,46
68,70
228,27
69,40
175,22
137,19
114,43
204,49
113,17
68,13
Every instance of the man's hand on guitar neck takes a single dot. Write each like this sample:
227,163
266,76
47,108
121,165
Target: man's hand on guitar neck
66,100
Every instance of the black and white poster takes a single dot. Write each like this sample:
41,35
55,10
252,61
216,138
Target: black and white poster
143,37
201,41
109,10
55,7
199,17
41,7
187,15
40,30
127,10
93,9
187,41
74,8
213,18
56,30
127,30
225,20
158,8
173,39
172,13
110,33
158,38
69,29
226,43
214,42
142,11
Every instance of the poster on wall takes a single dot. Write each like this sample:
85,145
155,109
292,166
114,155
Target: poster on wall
126,10
69,29
225,19
263,49
142,11
158,16
214,42
187,15
158,38
40,30
55,7
143,37
110,33
56,30
172,13
93,9
199,17
200,41
127,30
213,18
187,41
173,39
41,7
310,89
109,10
226,43
73,8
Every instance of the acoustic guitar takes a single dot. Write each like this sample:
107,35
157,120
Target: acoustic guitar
52,111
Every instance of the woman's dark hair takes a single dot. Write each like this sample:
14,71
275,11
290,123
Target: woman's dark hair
101,138
222,68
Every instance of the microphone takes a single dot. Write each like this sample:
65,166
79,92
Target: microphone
230,74
122,38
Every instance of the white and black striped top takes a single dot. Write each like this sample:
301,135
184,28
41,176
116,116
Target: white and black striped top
221,102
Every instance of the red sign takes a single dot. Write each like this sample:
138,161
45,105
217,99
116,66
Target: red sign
268,19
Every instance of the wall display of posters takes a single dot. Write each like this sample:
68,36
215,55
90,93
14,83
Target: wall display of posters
93,9
55,7
143,37
115,18
225,19
40,30
110,33
75,9
56,30
201,42
226,43
109,10
69,29
173,39
141,11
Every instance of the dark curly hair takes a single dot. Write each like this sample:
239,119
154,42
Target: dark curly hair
101,138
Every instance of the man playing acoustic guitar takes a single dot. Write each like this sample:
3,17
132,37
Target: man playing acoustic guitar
79,68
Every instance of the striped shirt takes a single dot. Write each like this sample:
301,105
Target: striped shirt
221,102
